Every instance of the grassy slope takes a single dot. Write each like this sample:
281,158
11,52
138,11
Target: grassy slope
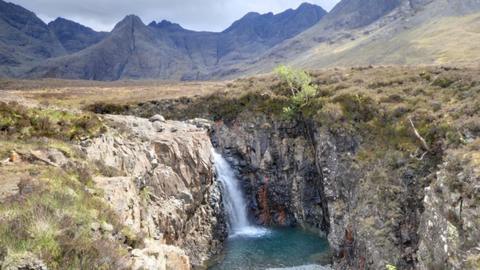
49,211
441,41
422,40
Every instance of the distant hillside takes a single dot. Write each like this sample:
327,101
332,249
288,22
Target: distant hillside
380,32
26,40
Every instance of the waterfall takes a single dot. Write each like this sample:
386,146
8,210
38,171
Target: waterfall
234,201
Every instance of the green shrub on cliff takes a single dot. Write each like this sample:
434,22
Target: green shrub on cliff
299,84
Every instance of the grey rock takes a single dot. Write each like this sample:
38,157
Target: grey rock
200,123
157,118
168,190
159,127
73,36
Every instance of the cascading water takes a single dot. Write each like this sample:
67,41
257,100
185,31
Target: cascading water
233,200
256,248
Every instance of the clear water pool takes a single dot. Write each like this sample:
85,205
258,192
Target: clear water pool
276,248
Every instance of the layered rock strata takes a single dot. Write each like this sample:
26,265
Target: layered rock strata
159,178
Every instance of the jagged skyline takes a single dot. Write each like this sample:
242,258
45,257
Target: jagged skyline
211,15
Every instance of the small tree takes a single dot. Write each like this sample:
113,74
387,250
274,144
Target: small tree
300,85
391,267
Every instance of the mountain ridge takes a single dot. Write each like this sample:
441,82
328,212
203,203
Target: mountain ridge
74,36
168,51
355,32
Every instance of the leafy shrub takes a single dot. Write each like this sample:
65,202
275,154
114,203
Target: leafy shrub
330,114
443,81
107,108
299,83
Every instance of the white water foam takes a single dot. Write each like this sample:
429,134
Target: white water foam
234,202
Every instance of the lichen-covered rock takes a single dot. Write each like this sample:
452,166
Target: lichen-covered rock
168,190
450,225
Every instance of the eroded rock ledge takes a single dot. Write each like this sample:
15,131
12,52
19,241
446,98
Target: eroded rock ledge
161,181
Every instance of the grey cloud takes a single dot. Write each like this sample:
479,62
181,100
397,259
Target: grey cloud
211,15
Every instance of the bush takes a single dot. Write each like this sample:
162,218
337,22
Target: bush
359,108
299,83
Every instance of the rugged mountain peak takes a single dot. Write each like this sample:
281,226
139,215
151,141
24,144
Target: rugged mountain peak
129,21
24,38
290,20
24,20
307,5
74,36
167,25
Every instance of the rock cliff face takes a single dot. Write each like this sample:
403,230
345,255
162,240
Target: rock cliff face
162,184
300,173
277,163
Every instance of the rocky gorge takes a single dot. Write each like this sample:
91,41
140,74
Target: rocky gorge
356,168
383,162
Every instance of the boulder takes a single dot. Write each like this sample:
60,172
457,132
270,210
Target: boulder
201,123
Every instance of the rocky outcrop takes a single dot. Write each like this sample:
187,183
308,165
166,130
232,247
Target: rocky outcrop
448,232
156,256
159,177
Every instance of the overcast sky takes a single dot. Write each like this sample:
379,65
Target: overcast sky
211,15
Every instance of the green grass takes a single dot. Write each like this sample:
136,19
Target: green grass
51,217
22,122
